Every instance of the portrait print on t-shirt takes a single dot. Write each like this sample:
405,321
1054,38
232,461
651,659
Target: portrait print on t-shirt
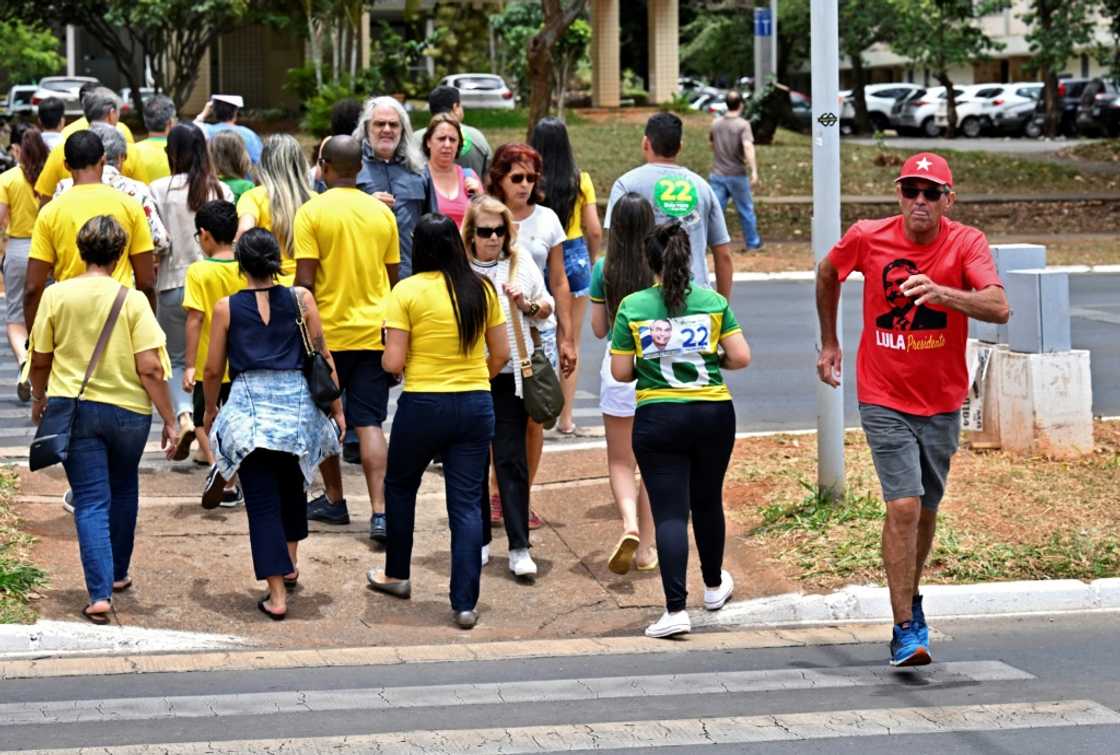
903,313
674,336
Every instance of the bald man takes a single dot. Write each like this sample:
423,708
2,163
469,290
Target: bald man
348,254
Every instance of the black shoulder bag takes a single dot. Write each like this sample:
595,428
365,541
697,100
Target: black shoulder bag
52,440
316,368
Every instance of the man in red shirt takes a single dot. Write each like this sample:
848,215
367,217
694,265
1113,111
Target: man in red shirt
924,276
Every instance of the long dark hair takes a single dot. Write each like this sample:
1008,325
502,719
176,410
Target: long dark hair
560,177
187,153
670,256
32,151
625,269
438,247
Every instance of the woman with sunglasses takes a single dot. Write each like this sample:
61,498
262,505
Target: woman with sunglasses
489,236
676,338
513,178
192,183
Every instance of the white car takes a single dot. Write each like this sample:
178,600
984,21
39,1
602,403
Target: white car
974,109
917,112
481,90
880,99
1010,98
18,102
65,88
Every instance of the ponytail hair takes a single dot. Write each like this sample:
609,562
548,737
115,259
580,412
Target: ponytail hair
438,247
669,254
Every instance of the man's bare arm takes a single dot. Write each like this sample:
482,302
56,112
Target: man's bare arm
989,304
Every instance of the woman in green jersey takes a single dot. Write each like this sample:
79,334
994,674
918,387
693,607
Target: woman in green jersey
675,337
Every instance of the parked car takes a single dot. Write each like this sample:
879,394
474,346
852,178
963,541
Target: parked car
916,113
1015,120
802,110
688,84
18,102
146,93
880,99
1069,99
978,105
1099,109
481,90
65,88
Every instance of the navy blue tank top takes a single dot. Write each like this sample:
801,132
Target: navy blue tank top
256,346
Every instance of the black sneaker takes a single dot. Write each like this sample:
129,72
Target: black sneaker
232,497
322,510
352,453
377,529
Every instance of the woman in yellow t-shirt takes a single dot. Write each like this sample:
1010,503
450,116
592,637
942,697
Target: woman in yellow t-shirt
445,331
284,184
18,209
114,415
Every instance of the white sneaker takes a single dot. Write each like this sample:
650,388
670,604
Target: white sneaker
714,598
521,563
485,555
68,501
670,624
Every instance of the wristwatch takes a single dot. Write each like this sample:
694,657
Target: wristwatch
534,307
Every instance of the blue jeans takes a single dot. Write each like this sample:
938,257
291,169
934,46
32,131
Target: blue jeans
459,427
738,188
103,471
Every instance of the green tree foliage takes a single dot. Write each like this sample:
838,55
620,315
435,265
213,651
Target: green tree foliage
793,37
462,43
1057,29
942,34
1109,54
29,52
719,43
862,24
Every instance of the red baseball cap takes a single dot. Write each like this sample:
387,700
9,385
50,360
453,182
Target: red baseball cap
927,166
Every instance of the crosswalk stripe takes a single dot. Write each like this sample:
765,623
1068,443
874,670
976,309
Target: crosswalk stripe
532,692
731,730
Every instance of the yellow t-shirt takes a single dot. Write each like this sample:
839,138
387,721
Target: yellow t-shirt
151,159
586,197
353,237
71,316
255,202
55,238
209,281
421,305
22,203
82,123
54,170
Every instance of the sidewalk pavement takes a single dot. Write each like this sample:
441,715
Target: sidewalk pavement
192,570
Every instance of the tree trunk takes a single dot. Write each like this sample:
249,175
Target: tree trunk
316,49
1053,103
950,103
859,100
557,19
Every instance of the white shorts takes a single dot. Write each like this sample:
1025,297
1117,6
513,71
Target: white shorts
615,399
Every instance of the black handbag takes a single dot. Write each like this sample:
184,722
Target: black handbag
316,368
52,439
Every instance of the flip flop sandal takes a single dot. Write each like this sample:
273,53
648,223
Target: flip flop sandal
651,566
183,447
623,557
292,582
101,618
124,585
264,609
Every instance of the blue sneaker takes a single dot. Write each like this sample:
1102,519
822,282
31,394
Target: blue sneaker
323,510
919,619
378,532
906,650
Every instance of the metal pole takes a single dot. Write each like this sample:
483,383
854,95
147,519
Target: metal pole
774,37
826,220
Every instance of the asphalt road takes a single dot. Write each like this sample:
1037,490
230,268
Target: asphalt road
778,390
1019,686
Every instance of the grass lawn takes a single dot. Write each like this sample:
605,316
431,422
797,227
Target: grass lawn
1107,150
608,145
1003,517
19,579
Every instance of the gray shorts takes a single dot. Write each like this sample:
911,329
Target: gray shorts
14,269
911,452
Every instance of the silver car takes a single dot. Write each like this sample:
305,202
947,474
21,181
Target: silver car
65,88
481,90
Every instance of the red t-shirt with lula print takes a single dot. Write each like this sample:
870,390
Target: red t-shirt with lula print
912,359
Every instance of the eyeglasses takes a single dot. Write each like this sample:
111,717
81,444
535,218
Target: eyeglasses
517,178
932,194
484,232
394,125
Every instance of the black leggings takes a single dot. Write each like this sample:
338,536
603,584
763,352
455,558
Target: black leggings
276,504
683,451
511,462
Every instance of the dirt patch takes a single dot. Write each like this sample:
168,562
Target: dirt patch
1003,517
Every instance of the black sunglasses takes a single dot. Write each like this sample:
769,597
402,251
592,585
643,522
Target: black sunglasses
519,177
484,232
932,194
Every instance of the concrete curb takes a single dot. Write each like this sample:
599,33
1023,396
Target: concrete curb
54,638
870,603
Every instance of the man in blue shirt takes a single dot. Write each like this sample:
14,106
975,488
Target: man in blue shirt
225,108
